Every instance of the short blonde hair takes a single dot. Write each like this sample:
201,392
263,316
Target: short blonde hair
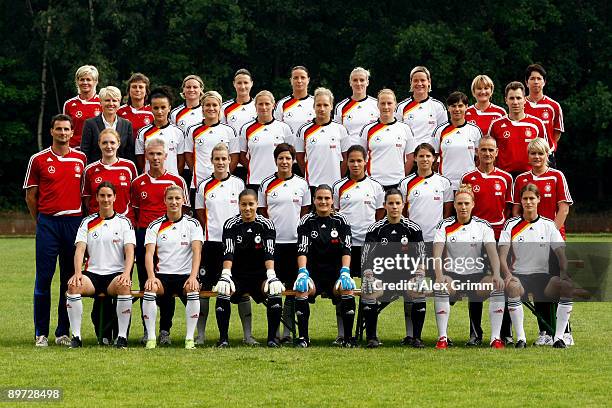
483,80
386,91
359,70
84,71
112,132
195,78
219,147
265,93
324,92
173,187
111,91
539,145
417,69
211,94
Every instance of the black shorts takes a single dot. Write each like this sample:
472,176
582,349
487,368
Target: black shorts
251,285
212,261
285,263
324,285
356,261
173,284
535,284
100,282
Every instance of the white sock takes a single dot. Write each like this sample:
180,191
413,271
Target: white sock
124,313
408,319
149,313
192,313
564,309
204,304
515,307
246,317
339,321
442,306
74,306
496,313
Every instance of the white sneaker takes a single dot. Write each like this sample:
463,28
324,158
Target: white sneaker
41,341
164,338
543,340
63,341
568,339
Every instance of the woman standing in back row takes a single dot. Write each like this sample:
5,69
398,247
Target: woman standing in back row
297,108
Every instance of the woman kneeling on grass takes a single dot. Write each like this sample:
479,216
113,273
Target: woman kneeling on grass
176,239
109,240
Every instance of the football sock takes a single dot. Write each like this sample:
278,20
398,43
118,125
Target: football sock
339,321
288,316
564,309
274,312
475,313
515,308
246,317
543,309
74,307
370,314
149,313
192,313
223,311
442,306
302,312
347,304
496,313
204,305
419,309
506,328
408,319
124,313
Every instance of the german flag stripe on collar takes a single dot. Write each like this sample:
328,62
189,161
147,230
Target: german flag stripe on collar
232,107
200,131
518,228
151,132
347,186
311,129
375,129
415,182
254,128
182,113
274,184
347,108
289,103
95,223
454,227
412,105
211,185
449,130
164,226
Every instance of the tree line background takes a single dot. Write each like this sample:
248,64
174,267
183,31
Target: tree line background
43,42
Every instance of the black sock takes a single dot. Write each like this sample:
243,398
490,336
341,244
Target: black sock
370,314
506,327
223,311
543,309
302,311
347,306
419,309
475,312
274,311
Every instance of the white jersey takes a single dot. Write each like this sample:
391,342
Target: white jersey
531,243
295,112
354,115
237,114
284,200
219,199
387,146
175,143
457,147
422,117
200,140
464,244
259,141
183,117
106,239
323,146
425,198
358,201
173,243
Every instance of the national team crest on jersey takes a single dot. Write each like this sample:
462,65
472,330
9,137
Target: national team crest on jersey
528,133
545,115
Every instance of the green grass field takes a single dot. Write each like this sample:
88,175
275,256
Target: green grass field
316,377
